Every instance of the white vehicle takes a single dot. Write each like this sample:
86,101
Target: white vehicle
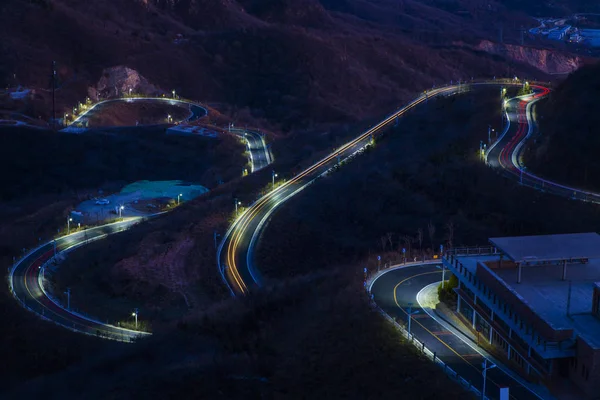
102,202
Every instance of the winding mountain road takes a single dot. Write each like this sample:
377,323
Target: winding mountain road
26,277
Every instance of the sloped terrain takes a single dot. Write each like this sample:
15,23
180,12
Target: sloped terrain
567,146
296,63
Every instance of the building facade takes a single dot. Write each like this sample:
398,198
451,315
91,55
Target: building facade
536,302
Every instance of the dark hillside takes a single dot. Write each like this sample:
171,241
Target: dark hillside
296,63
569,139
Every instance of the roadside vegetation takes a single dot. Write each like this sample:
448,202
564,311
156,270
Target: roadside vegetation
129,114
312,337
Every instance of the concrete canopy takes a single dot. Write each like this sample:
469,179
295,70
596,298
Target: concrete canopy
549,247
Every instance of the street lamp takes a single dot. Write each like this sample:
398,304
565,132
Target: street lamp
68,293
173,94
121,208
178,196
410,314
129,92
485,368
69,219
273,175
135,314
169,118
237,203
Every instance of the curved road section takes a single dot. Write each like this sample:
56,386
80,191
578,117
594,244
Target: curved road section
398,288
506,153
235,253
26,278
26,284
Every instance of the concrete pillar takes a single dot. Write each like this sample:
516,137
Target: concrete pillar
458,304
474,314
491,332
509,350
519,273
564,277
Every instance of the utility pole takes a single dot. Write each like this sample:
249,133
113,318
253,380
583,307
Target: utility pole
68,293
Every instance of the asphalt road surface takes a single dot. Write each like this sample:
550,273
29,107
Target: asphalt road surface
27,288
394,290
235,254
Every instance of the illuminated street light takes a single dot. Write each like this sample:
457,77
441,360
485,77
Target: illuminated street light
173,94
69,219
273,176
484,371
169,118
121,210
129,91
178,196
410,314
135,314
237,203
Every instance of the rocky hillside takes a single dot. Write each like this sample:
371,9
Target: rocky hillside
550,62
296,63
569,141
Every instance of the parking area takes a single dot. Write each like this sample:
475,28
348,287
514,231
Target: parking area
138,199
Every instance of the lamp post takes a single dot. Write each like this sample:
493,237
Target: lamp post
273,176
69,219
237,203
121,208
135,314
178,196
173,94
68,293
485,368
410,314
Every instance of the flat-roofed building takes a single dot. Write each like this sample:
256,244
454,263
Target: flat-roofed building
536,299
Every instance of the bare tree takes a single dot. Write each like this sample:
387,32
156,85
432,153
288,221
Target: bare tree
450,233
383,240
431,231
420,240
390,235
408,241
